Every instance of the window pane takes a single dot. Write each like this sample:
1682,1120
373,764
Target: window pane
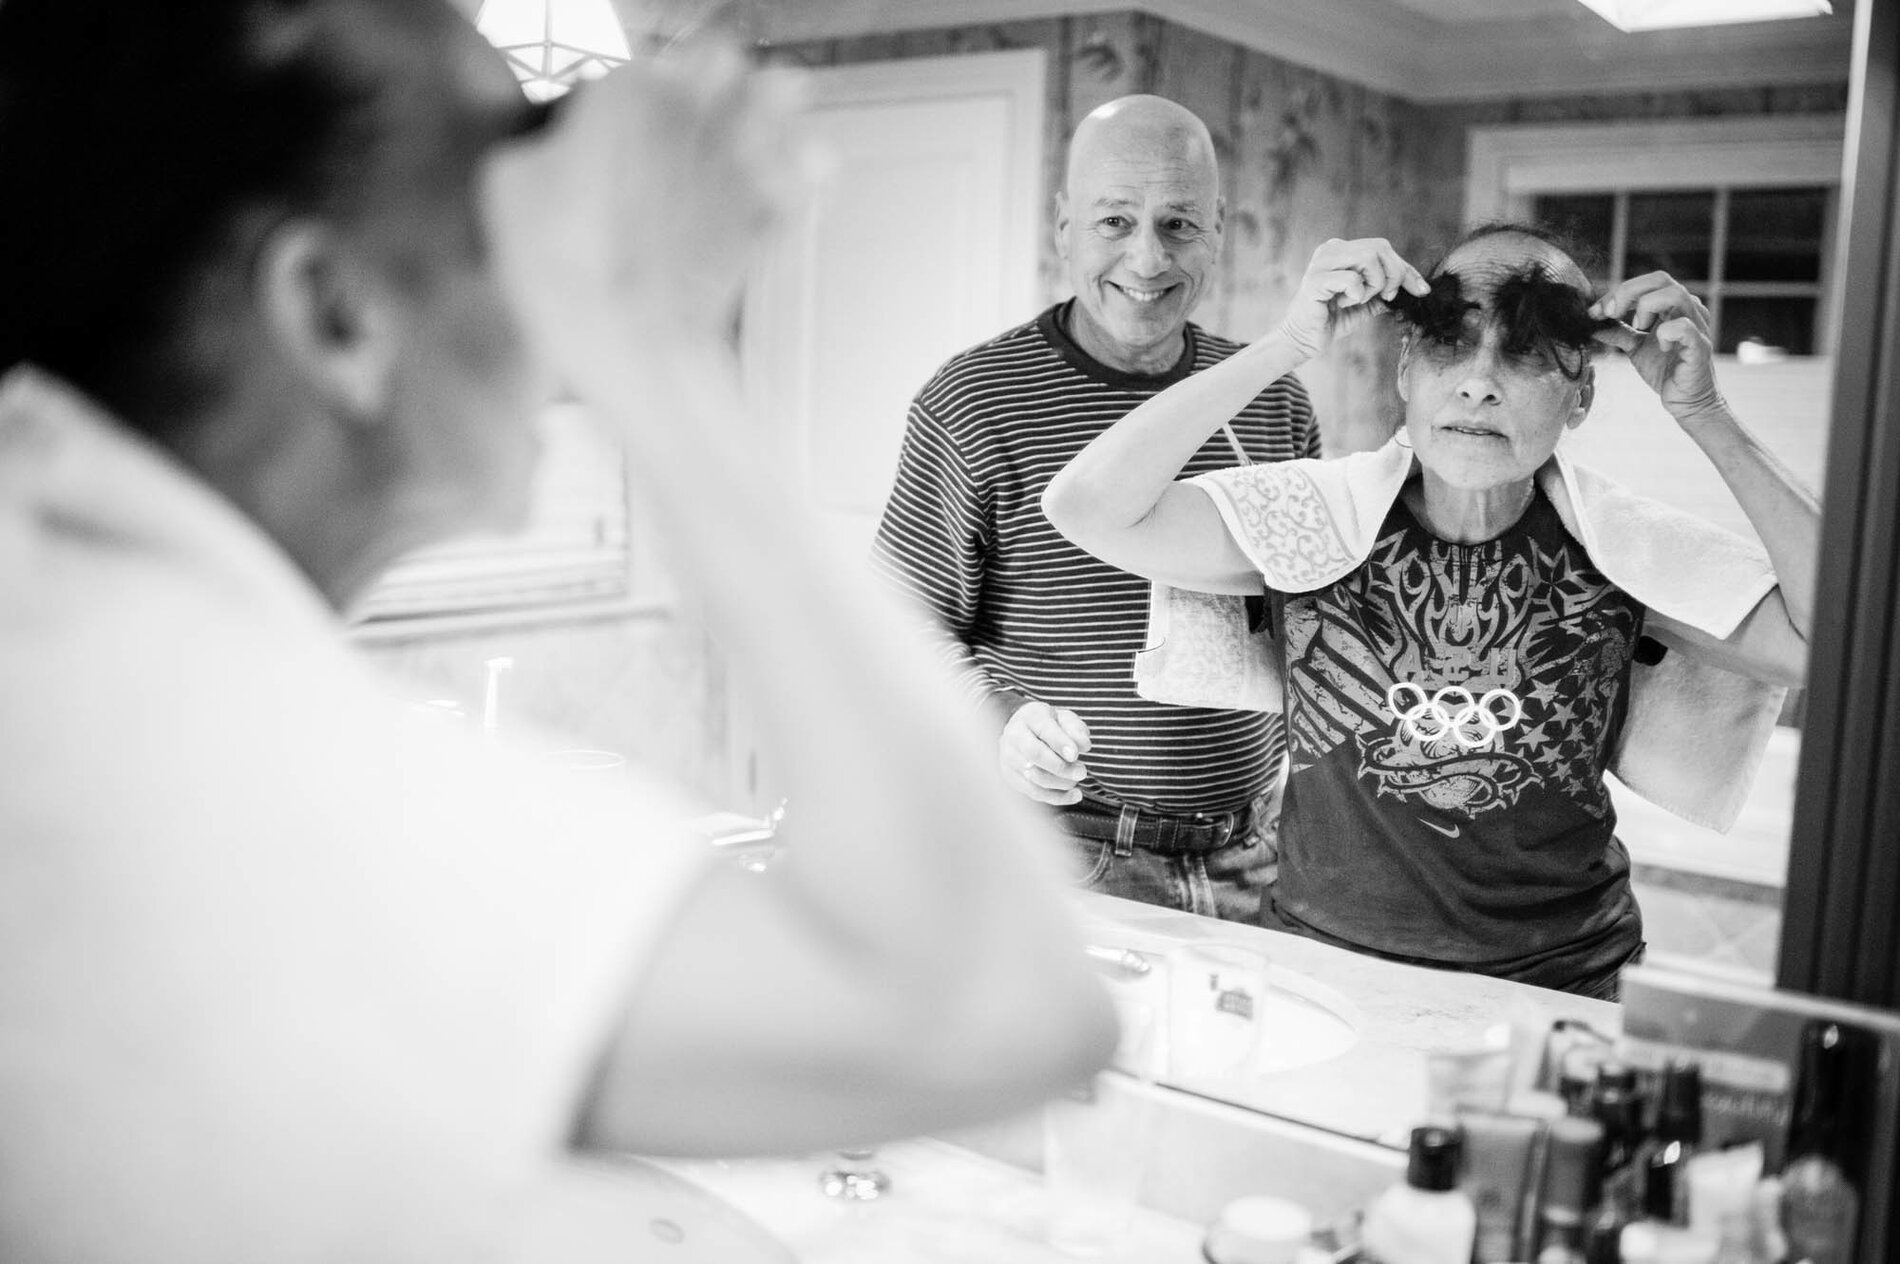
573,551
1586,217
1787,323
1671,232
1775,234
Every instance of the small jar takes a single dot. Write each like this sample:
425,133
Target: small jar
1259,1229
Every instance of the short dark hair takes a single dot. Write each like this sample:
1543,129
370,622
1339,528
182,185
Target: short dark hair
141,137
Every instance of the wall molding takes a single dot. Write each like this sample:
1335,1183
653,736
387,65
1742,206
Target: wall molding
1505,165
1395,49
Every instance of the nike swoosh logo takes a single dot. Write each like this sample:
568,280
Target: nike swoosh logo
1451,832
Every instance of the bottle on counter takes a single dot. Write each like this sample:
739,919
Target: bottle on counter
1822,1171
1726,1204
1571,1182
1577,1076
1603,1236
1427,1219
1617,1103
1618,1207
1652,1238
1662,1164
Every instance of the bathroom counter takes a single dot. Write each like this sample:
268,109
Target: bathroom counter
1327,1134
1376,1088
947,1205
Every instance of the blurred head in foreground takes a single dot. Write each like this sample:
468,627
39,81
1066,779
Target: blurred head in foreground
250,231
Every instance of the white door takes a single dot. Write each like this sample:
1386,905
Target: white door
921,242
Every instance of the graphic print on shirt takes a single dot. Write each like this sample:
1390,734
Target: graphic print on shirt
1464,674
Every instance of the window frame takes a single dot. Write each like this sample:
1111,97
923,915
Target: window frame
621,577
1507,166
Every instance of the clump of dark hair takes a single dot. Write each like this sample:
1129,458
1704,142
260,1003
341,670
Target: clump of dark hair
1438,315
1539,314
1542,316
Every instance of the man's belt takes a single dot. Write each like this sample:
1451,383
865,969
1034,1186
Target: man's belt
1156,831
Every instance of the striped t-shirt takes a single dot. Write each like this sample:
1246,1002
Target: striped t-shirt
1023,614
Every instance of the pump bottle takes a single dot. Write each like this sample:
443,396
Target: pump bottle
1427,1219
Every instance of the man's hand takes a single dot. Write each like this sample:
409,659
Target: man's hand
1665,334
1335,294
1040,752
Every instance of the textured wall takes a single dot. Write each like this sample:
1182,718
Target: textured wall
1305,157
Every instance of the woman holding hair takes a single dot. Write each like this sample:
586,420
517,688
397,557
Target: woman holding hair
1468,630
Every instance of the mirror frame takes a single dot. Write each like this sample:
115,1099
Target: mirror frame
1838,934
1839,937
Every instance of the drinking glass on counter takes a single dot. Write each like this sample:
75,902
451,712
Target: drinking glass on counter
1096,1139
1216,1001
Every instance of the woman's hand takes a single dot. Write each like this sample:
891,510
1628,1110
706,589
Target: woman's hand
1665,334
643,203
1340,283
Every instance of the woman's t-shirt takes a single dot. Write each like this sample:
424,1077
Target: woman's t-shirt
1450,711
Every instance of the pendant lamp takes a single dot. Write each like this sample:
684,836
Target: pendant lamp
554,44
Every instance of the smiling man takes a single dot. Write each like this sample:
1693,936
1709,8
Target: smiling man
1164,804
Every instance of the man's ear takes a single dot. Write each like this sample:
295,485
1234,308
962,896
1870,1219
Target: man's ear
331,315
1405,362
1062,225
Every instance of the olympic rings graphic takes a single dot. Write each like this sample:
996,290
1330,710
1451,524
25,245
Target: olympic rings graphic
1476,724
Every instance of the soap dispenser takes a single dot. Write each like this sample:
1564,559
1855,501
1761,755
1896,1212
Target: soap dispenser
1427,1219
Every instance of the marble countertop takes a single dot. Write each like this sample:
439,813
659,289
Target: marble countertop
1376,1089
951,1204
946,1205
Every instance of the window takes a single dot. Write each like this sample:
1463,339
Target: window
571,558
1754,255
1739,209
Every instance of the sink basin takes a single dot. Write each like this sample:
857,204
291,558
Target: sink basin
946,1205
1307,1022
1301,1020
616,1210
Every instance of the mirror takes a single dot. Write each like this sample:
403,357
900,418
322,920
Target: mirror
1715,152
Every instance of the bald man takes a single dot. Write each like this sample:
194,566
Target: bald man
1170,805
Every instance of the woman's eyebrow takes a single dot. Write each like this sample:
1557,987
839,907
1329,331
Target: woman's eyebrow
1439,313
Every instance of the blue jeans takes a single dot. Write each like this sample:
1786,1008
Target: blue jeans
1227,882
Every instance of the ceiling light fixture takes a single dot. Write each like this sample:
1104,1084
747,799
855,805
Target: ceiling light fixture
554,44
1650,15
